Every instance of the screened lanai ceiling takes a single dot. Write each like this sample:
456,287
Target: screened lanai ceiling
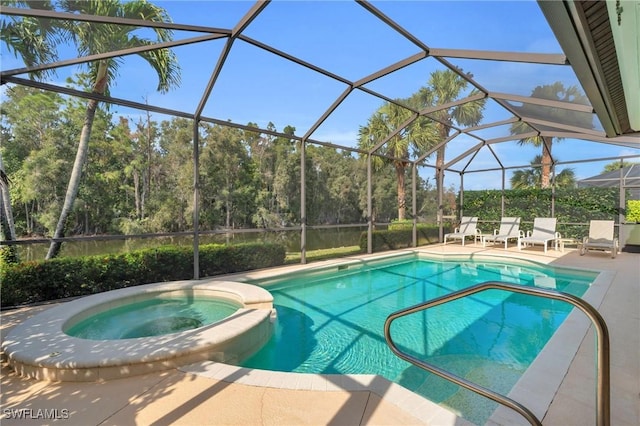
324,67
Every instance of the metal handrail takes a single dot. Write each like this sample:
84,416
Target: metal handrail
602,337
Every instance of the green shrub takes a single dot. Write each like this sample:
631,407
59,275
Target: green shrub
573,206
401,224
39,281
633,211
402,237
8,255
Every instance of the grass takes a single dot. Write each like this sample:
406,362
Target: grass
315,255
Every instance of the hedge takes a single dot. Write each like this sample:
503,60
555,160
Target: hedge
401,236
572,205
39,281
633,211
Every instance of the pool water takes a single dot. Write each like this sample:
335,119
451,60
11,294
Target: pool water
152,317
333,323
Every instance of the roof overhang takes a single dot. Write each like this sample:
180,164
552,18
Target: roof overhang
602,42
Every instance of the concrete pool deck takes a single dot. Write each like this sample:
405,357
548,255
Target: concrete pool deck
208,393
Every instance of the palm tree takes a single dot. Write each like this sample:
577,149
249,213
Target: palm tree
444,87
532,177
566,179
34,40
526,179
417,136
7,227
555,92
615,165
8,254
93,38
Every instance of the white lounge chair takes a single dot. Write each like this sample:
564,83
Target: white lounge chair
467,228
600,237
509,230
544,231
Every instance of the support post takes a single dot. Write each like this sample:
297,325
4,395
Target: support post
440,179
553,190
504,175
461,194
369,207
414,208
303,203
623,202
196,201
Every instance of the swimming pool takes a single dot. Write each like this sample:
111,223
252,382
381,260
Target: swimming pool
332,322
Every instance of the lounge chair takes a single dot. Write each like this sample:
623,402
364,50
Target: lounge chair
544,231
509,230
600,238
466,229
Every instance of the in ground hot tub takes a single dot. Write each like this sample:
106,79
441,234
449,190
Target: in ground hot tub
41,347
152,314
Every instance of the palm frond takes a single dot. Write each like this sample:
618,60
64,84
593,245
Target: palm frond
34,40
165,63
93,38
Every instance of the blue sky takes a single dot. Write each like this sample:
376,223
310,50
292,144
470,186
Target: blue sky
343,38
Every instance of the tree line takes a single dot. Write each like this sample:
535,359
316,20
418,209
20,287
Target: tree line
139,175
157,170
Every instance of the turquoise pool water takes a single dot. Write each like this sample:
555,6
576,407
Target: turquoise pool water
152,317
333,323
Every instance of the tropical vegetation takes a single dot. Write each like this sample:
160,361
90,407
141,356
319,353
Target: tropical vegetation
248,179
395,131
574,207
551,92
616,165
45,36
77,168
533,177
43,280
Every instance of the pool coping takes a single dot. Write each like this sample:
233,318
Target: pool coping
394,393
40,349
535,389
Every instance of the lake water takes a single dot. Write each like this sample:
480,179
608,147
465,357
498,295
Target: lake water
316,239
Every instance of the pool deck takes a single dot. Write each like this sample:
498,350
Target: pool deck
216,394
